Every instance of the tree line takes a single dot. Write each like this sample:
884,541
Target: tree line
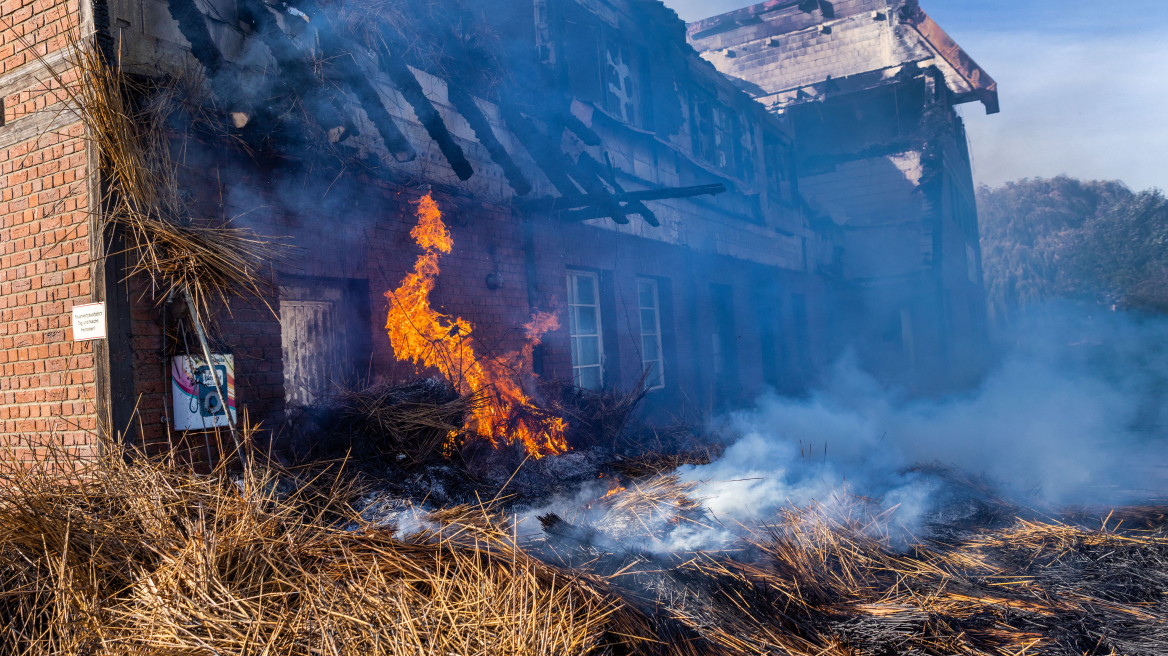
1067,239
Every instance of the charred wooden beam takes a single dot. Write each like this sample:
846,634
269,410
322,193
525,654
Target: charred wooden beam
586,134
593,183
332,48
296,76
576,201
585,171
548,157
633,206
401,76
367,94
193,26
591,172
469,109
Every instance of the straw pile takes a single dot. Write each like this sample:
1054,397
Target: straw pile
124,555
120,556
595,417
405,425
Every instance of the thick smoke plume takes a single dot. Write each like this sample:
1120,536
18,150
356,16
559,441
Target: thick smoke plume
1073,414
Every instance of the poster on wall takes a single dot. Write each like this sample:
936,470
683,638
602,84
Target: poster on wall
197,404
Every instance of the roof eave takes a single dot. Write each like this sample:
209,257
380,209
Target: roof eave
983,87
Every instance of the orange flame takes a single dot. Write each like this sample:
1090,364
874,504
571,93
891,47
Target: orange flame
431,339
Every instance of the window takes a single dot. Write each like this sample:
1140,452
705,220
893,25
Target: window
602,68
724,344
714,132
780,166
584,328
651,333
619,80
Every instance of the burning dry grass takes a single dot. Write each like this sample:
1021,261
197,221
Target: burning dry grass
409,424
444,343
130,556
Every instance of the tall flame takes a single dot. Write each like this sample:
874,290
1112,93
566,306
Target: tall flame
434,340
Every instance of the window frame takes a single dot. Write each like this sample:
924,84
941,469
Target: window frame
659,381
715,131
573,336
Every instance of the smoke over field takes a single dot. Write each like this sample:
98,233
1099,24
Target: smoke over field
1072,414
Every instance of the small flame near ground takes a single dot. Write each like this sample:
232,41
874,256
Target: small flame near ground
433,340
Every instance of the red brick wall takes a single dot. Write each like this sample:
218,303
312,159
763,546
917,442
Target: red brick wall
47,381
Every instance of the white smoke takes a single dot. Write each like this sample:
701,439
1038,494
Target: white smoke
1070,416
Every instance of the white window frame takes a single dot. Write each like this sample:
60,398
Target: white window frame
657,382
572,324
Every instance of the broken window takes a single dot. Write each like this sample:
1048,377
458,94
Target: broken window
620,81
582,54
603,69
780,169
584,329
713,132
650,311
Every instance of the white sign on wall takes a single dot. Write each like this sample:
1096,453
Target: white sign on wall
89,321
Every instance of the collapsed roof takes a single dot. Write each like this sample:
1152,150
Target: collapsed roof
337,64
852,49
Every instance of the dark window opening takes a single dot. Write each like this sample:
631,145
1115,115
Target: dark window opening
724,345
802,328
780,169
582,52
771,334
603,69
714,133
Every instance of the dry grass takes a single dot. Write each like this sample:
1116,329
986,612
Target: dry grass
129,556
825,580
139,557
408,425
595,417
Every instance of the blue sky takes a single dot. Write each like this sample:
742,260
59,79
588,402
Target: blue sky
1083,85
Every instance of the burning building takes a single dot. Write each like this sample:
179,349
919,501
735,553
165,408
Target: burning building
869,89
556,189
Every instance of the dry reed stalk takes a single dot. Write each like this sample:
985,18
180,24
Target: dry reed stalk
138,557
128,122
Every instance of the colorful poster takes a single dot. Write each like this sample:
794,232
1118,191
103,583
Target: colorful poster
197,404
